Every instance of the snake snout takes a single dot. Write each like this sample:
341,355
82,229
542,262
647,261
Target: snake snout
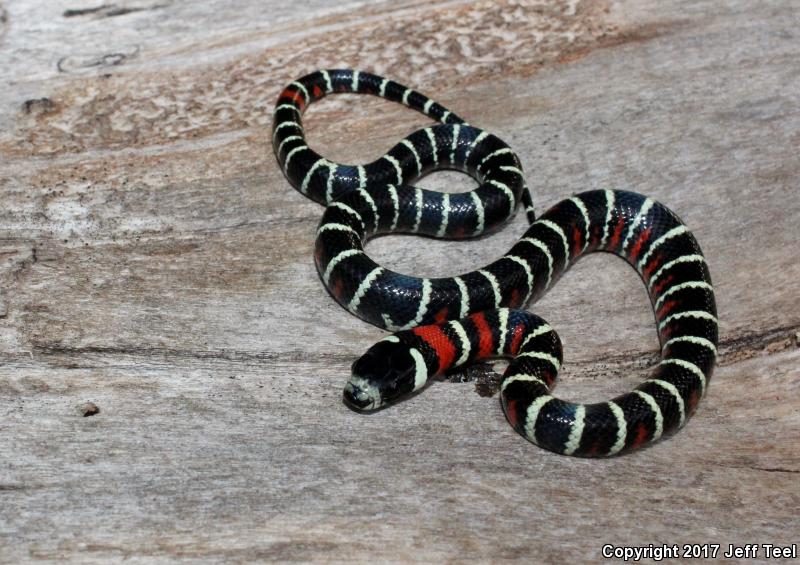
359,398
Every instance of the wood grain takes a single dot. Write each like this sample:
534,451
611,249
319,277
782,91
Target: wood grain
155,262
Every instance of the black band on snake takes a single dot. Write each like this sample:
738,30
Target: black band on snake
446,323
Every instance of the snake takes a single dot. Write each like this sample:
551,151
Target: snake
442,324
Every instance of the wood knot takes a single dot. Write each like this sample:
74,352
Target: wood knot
88,409
38,106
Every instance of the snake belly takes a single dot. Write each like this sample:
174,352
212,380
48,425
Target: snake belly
445,323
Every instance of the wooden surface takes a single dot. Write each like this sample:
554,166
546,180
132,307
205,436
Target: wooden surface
155,262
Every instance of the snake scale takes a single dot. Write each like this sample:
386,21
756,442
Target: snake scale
442,324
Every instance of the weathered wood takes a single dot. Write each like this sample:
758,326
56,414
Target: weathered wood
155,262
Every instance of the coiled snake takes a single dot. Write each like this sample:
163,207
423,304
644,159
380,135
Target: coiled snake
445,323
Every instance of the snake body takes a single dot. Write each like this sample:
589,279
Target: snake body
445,323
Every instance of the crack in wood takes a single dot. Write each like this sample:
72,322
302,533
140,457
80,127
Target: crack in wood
753,344
108,10
486,379
13,487
167,353
764,469
776,470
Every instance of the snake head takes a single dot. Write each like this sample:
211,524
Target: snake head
386,372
